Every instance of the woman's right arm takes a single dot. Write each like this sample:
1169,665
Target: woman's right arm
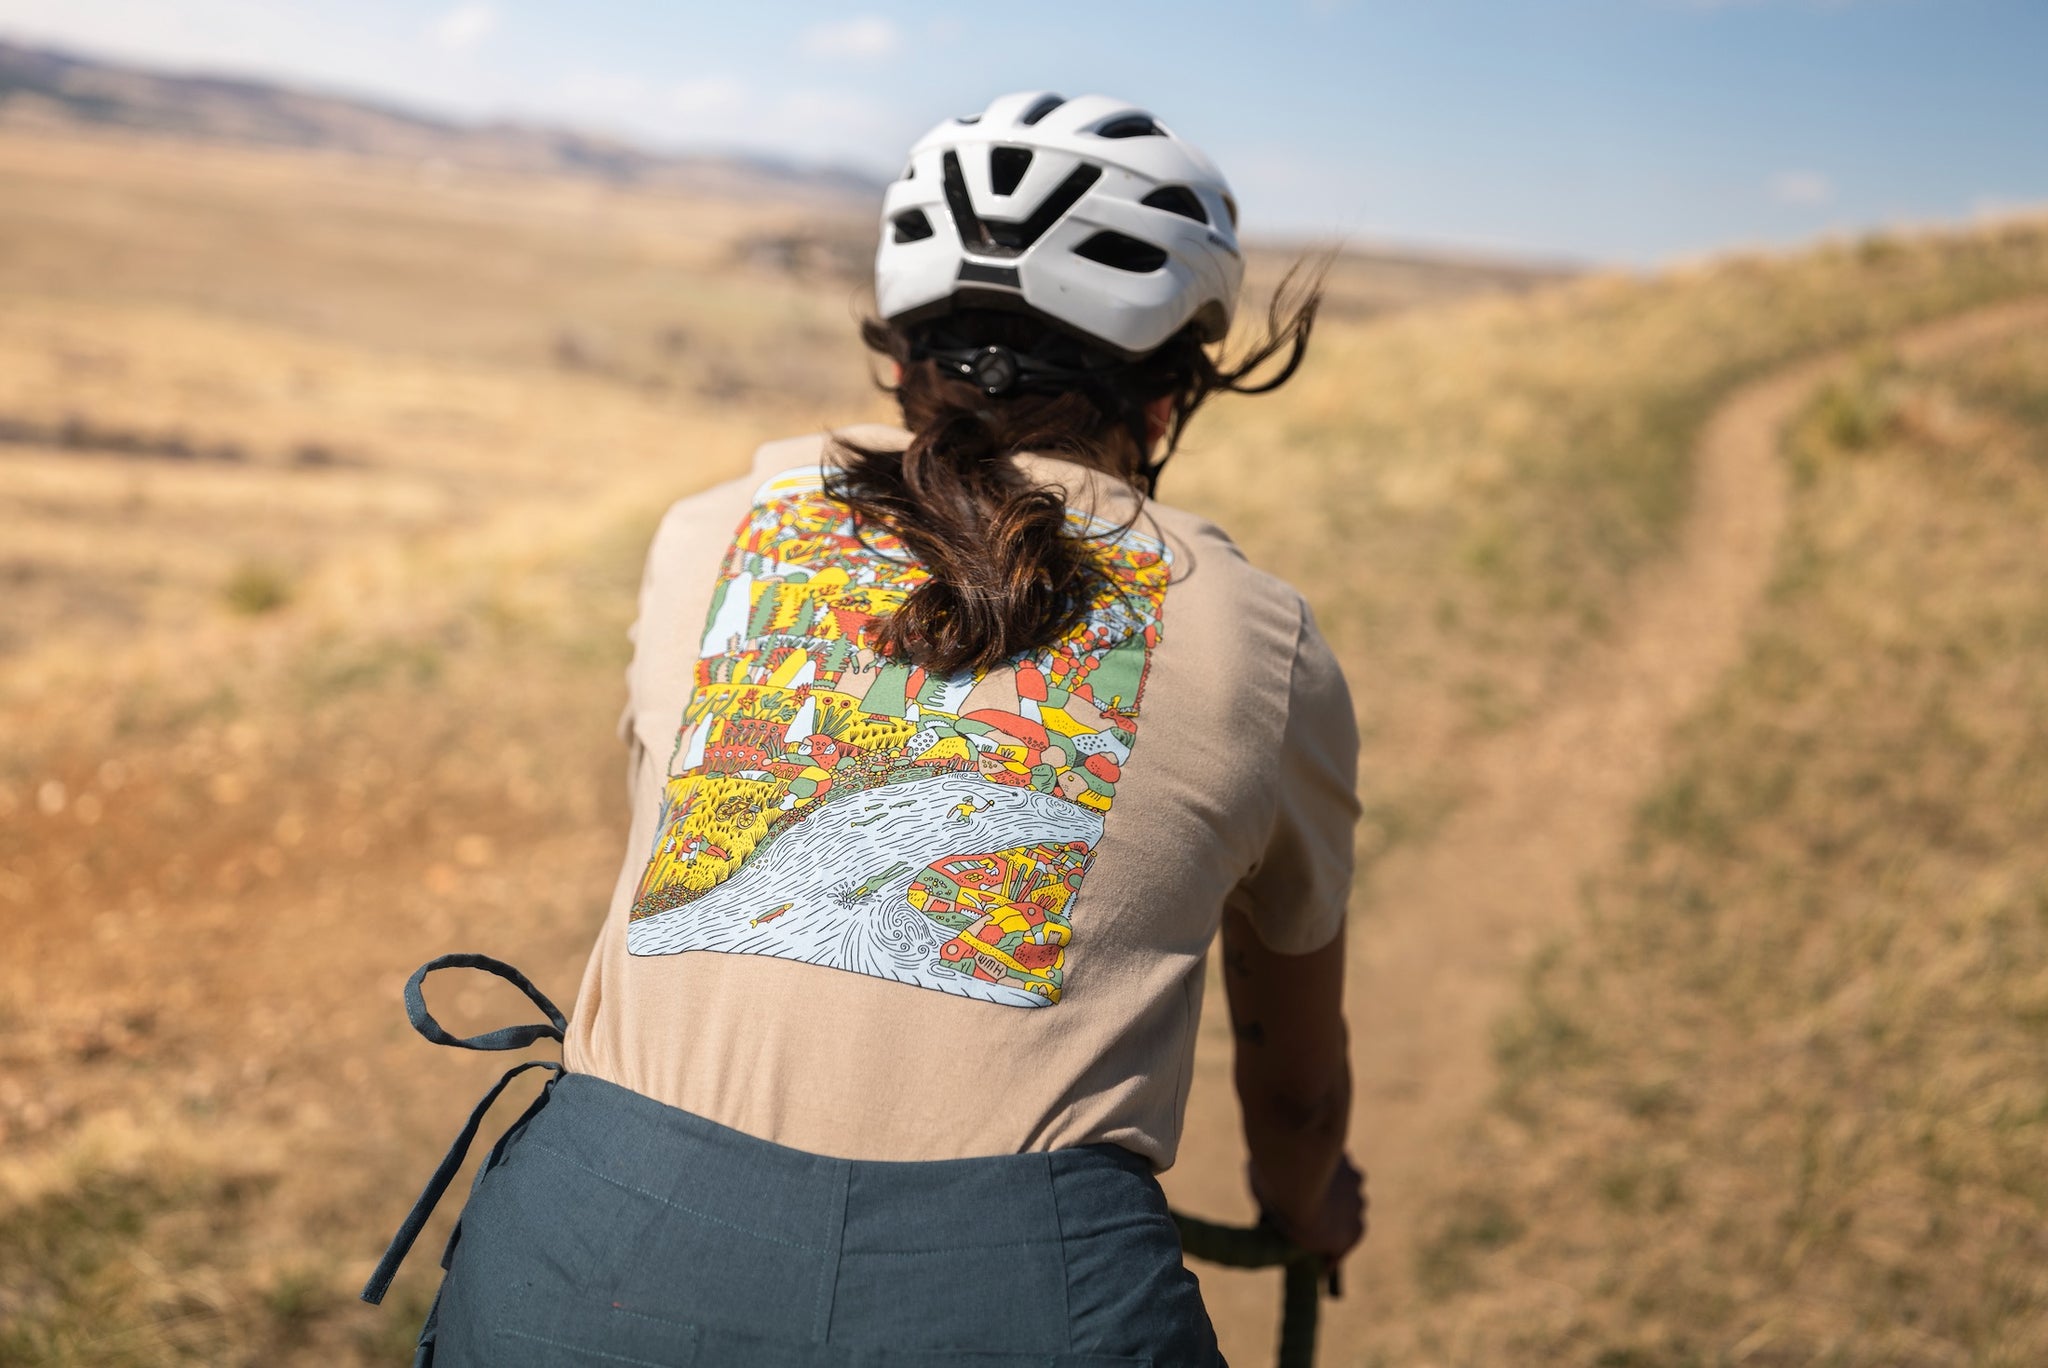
1293,1075
1283,965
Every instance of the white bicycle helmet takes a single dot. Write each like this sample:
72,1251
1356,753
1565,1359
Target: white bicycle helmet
1086,212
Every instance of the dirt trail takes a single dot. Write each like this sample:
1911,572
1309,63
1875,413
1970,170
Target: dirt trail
1436,957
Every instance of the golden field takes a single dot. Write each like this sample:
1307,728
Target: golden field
1696,624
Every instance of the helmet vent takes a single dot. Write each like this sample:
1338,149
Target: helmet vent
909,171
1010,239
1006,167
1123,253
1230,207
1131,126
1044,105
911,226
1177,199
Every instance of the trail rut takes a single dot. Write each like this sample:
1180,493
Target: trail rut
1446,927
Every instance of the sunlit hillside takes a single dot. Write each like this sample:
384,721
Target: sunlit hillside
323,488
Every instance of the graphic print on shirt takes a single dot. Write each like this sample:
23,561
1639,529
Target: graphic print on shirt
831,805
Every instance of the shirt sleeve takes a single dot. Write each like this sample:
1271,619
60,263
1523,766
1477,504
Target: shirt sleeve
1297,894
638,664
629,714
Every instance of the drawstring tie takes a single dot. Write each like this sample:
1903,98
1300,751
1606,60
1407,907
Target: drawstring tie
504,1038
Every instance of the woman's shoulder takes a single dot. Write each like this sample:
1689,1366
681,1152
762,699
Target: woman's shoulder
819,449
1210,562
730,497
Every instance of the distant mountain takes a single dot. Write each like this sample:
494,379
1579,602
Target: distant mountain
43,88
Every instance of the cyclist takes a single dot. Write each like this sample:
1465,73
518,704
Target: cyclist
952,752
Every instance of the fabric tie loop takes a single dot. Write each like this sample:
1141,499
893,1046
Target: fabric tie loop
504,1038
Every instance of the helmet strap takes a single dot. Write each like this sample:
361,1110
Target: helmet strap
998,370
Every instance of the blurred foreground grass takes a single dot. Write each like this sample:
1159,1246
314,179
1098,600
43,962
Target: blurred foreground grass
277,728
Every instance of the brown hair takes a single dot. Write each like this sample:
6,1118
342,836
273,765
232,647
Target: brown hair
1008,573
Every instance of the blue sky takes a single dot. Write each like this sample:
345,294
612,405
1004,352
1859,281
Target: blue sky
1621,130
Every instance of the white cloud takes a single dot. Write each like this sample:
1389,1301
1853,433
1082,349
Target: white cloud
584,88
706,95
722,110
1802,189
463,27
866,37
850,115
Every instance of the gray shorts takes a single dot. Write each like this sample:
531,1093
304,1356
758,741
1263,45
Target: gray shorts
613,1229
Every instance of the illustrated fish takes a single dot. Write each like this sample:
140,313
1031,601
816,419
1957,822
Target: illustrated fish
875,883
770,916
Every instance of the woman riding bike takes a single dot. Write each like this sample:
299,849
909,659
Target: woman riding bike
952,752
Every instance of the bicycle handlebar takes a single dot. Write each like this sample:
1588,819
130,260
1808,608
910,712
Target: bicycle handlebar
1261,1246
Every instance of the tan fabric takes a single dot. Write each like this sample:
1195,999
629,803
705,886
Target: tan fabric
964,918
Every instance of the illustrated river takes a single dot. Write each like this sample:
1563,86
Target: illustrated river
820,865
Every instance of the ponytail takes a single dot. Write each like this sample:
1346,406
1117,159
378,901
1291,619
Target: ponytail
1008,574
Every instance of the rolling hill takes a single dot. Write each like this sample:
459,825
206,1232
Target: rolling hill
45,88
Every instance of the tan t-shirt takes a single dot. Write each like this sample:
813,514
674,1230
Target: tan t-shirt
880,914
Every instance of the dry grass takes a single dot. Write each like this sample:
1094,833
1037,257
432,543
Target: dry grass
279,727
1786,1101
